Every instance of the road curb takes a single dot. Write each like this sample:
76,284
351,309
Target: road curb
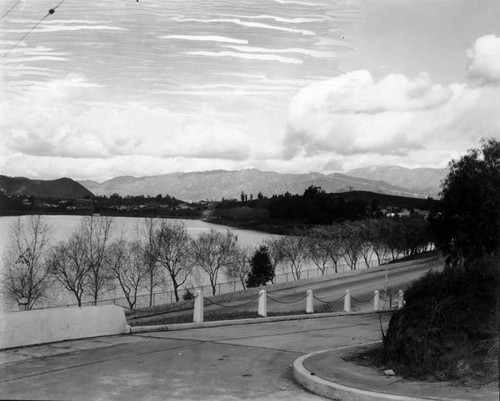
336,391
236,322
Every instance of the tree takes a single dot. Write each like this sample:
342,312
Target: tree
415,234
240,265
127,265
295,252
95,233
378,230
214,251
174,246
393,239
68,265
26,273
149,250
318,244
261,268
335,244
353,241
275,247
468,225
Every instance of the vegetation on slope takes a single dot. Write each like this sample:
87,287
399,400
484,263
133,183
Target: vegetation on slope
449,326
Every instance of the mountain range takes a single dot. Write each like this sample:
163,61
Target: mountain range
218,184
62,188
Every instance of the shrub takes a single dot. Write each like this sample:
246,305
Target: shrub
188,295
449,317
262,270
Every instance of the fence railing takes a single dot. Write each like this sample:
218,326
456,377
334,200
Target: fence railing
350,303
168,297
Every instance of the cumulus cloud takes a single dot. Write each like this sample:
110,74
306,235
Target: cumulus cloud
395,116
55,120
484,60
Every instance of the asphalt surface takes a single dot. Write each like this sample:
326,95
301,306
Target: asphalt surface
328,293
223,363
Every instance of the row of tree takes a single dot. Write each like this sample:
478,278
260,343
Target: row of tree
314,206
94,260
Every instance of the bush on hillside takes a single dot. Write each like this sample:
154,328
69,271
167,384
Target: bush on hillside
449,325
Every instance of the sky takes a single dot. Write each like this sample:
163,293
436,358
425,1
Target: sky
108,88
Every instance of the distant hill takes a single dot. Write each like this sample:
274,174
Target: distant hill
218,184
419,180
61,188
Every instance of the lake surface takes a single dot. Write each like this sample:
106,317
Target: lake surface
62,226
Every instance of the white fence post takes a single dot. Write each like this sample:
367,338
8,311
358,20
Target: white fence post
262,303
400,299
198,307
376,301
347,301
309,302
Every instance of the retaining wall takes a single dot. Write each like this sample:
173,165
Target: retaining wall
18,329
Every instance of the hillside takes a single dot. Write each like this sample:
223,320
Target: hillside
62,188
218,184
420,180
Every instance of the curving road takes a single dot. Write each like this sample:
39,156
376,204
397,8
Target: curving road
244,362
361,287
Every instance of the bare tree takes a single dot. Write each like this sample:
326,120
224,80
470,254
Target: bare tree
127,264
365,233
295,252
214,251
174,246
68,265
149,249
379,232
317,245
26,275
95,233
335,244
240,266
276,248
353,241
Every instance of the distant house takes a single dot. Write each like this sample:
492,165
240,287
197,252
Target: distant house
404,213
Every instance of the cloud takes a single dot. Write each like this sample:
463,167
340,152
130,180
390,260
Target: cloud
58,120
297,20
247,56
307,52
206,38
302,3
484,60
396,116
249,24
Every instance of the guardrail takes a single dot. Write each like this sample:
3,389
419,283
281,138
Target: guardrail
263,298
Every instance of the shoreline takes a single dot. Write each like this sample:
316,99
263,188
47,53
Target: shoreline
283,228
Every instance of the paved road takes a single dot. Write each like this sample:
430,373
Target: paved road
228,363
361,288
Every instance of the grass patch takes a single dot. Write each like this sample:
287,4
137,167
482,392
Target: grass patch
210,317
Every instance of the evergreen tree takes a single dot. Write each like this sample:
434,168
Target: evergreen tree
261,268
468,225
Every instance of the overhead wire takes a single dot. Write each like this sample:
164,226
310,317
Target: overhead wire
50,12
10,9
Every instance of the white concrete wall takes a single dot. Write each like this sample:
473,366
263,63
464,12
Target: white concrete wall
19,329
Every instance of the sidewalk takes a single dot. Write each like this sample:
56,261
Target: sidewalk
327,373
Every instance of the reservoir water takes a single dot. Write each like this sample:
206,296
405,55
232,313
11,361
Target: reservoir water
63,225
